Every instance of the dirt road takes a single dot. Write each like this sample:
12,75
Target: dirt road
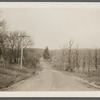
50,80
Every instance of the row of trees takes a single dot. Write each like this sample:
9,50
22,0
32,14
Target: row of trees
71,58
10,45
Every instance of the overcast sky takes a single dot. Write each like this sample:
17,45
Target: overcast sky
52,27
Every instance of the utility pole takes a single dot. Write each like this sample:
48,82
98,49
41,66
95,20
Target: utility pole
22,42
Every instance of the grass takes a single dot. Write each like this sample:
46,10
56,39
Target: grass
13,74
86,76
90,77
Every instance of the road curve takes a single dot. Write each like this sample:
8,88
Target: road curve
50,80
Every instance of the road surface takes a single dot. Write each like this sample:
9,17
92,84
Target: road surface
50,80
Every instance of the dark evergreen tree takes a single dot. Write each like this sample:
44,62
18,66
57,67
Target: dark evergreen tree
46,54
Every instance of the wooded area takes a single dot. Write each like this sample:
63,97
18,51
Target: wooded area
10,47
73,59
18,60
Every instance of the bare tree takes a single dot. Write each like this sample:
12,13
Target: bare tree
3,42
15,40
77,59
69,55
95,61
12,42
89,61
84,62
63,57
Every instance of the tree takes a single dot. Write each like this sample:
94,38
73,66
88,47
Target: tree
3,43
46,54
63,57
15,39
77,59
96,60
69,55
89,61
84,62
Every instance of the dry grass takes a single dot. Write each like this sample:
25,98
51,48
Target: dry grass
90,77
86,76
14,74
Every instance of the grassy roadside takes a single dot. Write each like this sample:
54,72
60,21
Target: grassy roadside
90,78
13,74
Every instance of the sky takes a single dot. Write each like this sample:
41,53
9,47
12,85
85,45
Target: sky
53,27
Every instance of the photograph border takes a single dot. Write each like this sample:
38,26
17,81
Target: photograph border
46,93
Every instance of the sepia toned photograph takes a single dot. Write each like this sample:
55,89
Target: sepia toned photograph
49,47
